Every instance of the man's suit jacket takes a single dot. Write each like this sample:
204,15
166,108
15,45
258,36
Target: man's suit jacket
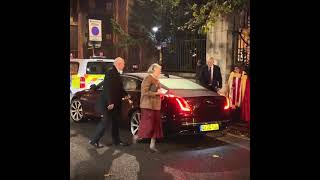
205,77
112,92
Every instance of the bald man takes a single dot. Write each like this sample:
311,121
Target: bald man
109,104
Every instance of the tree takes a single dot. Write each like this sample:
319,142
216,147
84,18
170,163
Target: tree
143,15
125,40
205,13
168,15
174,17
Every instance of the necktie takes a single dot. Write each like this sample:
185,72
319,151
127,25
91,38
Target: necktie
211,75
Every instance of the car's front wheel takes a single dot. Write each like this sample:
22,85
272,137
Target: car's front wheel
135,121
76,111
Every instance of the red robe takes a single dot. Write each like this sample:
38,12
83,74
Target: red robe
236,88
245,108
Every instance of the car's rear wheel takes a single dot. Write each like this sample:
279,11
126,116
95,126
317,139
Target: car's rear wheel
76,111
135,121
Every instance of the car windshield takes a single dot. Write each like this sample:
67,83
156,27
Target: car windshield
180,84
98,67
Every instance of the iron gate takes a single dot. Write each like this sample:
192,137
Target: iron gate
241,40
182,55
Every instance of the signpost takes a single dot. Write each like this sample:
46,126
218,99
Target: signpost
95,35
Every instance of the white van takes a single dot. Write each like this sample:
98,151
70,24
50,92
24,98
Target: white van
85,72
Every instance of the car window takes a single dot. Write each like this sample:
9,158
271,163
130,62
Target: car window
180,84
74,67
100,85
130,84
98,67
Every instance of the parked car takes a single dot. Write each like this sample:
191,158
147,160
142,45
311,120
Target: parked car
186,108
85,72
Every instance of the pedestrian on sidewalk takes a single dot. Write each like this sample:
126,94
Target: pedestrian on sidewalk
210,76
109,104
150,104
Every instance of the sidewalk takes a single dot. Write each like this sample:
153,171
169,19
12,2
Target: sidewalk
239,129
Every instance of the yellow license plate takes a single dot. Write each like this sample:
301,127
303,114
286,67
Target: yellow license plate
209,127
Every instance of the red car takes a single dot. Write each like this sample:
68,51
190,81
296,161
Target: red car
187,108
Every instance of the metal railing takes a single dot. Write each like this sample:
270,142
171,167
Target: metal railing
182,55
241,41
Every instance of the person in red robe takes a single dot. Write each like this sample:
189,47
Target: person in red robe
236,90
245,108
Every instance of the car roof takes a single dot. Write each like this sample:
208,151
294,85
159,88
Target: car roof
91,60
142,75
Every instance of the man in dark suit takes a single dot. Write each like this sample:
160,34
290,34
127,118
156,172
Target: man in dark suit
210,76
109,104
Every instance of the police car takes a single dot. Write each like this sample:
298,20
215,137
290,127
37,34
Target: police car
85,72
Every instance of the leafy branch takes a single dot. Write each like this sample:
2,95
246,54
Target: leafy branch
125,40
206,13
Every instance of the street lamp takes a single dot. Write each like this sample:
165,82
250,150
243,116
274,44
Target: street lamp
156,29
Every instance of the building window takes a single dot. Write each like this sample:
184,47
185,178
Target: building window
108,6
108,36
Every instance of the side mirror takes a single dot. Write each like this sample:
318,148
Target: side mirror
93,87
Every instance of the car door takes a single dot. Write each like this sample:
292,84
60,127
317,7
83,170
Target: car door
132,86
91,98
74,79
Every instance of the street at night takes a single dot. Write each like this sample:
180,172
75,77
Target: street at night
185,157
171,77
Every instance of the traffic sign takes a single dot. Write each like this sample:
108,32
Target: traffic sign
95,33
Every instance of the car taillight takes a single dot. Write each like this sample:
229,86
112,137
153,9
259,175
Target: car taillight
227,105
82,82
183,104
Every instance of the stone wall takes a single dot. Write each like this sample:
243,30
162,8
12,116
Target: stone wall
219,46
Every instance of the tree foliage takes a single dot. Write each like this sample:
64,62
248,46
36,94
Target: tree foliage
173,17
205,13
125,40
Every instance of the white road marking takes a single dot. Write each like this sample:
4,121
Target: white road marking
125,166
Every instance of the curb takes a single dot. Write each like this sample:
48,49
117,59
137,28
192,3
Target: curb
240,137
